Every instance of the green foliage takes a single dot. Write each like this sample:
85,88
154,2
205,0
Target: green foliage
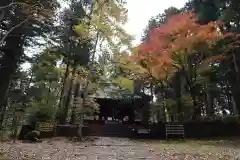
40,111
75,48
124,83
4,135
90,106
105,25
45,68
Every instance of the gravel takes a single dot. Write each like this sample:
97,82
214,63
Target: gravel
106,148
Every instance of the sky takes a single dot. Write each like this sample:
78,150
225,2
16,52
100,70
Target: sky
140,11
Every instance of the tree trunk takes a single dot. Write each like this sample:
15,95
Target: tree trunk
84,96
151,90
13,50
235,84
2,116
234,104
76,95
15,129
229,101
236,67
179,94
4,108
64,85
164,114
49,92
209,107
61,99
80,126
68,98
236,97
197,108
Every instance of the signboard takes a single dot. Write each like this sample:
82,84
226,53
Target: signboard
45,126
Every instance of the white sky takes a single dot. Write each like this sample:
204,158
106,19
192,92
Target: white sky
140,11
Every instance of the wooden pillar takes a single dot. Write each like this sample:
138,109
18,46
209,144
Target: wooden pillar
113,113
131,115
145,114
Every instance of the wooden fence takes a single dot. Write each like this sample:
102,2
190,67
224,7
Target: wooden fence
157,131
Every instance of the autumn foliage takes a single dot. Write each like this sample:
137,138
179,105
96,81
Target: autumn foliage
181,36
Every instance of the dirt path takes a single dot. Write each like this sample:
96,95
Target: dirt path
105,148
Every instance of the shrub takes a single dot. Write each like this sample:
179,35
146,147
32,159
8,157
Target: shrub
4,135
41,112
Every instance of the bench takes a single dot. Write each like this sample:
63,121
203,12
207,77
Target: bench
174,129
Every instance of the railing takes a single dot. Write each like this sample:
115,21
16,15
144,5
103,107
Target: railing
174,129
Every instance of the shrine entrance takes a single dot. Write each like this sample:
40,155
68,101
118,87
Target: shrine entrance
116,117
116,110
119,109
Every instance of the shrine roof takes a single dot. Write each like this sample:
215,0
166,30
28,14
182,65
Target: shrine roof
115,92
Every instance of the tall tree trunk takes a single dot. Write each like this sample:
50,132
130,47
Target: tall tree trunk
13,50
236,93
235,110
151,90
80,126
197,108
235,84
2,116
209,103
164,114
85,90
15,127
49,92
68,97
76,96
229,103
64,81
179,94
236,67
61,99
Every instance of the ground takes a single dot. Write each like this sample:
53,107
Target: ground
104,148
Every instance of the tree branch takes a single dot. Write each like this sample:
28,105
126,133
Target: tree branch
6,6
14,27
10,4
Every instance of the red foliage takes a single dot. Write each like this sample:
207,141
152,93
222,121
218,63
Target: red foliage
181,34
